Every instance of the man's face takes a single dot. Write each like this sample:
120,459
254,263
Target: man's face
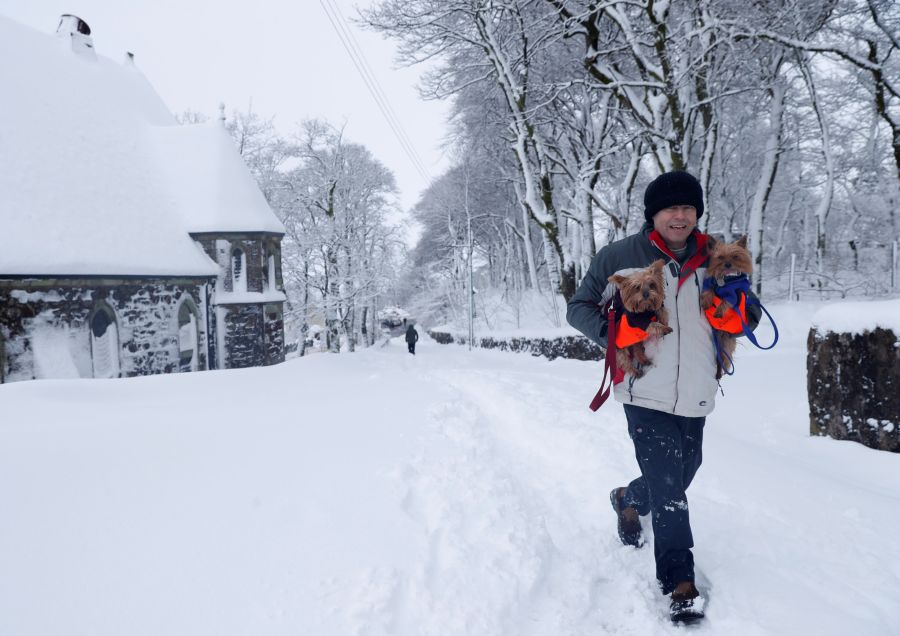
675,224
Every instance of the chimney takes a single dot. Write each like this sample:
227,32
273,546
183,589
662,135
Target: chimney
76,34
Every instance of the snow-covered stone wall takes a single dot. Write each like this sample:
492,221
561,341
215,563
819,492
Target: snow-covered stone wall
249,328
273,323
253,335
45,326
853,375
243,336
257,251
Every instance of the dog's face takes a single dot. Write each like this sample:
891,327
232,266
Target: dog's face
728,259
644,290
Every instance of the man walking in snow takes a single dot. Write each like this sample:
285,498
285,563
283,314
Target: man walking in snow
666,407
412,337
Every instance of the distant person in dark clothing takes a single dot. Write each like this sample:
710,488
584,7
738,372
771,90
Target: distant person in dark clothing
412,336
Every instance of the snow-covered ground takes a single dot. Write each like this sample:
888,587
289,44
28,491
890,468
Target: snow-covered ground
448,493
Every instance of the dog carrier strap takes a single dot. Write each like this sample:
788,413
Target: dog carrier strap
610,368
749,333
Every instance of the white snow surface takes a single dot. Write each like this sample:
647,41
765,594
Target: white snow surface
858,317
93,172
268,296
444,493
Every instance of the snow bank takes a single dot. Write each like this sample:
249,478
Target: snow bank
52,355
439,494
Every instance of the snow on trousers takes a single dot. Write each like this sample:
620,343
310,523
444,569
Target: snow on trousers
668,448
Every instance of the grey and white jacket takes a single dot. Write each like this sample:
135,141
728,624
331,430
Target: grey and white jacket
682,379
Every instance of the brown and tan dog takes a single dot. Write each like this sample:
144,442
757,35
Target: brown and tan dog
726,260
643,293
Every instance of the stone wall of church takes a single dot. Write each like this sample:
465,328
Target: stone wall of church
254,335
256,249
44,325
274,333
249,330
243,336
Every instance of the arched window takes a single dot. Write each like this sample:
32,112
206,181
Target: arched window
104,342
274,260
269,256
238,270
188,337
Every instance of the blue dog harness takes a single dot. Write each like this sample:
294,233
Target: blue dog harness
730,289
733,290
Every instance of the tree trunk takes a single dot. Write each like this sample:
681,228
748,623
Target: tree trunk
363,327
526,242
825,203
766,178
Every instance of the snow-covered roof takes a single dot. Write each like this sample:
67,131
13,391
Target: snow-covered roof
210,183
85,185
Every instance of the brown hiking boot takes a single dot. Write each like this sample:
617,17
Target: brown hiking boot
629,526
687,603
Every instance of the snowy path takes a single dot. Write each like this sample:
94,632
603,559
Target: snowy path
443,494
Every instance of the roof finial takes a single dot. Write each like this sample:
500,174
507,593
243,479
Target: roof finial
222,113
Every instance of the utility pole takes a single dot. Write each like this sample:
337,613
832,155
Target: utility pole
894,264
469,249
471,277
793,266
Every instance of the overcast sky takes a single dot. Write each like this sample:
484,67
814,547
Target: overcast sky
282,54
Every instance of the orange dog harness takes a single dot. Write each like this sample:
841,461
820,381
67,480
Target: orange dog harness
628,334
734,319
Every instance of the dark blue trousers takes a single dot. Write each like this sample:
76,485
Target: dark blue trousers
669,452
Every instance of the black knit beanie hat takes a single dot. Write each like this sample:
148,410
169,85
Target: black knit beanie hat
672,188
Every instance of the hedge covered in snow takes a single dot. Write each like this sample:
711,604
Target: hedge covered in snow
572,347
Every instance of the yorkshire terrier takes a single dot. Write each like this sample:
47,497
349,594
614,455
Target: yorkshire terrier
728,262
643,293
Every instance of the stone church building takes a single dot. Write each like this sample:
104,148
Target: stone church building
129,245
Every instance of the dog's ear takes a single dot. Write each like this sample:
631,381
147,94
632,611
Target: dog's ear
711,243
657,265
617,280
742,242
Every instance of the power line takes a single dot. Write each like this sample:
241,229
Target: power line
377,85
345,35
348,40
365,64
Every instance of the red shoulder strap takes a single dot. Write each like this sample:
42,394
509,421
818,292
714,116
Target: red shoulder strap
610,368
